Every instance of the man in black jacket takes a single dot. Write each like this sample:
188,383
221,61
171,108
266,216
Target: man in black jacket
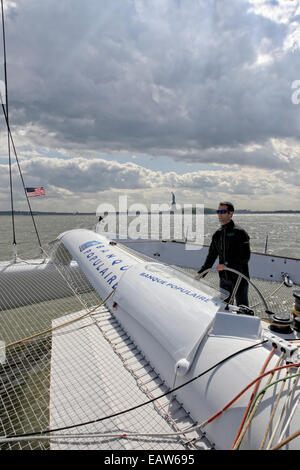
231,243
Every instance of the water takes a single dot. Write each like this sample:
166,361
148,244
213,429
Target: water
283,232
25,400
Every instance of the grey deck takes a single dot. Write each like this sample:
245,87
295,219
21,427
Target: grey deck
95,372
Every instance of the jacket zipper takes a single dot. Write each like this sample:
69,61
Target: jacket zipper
224,252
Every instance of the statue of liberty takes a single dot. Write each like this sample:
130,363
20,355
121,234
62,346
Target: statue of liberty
173,203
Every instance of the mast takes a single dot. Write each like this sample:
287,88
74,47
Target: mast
10,139
5,110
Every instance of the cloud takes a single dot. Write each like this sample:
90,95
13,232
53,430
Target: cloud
98,179
203,82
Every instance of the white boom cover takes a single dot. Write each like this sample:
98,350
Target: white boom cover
155,295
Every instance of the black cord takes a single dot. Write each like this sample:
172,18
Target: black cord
10,139
7,121
118,413
21,176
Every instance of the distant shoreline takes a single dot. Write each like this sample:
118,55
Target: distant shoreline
206,211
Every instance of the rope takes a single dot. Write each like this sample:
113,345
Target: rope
22,179
49,330
270,295
152,400
119,434
190,429
273,413
284,379
289,419
251,410
281,415
286,440
11,140
238,438
118,413
7,121
216,415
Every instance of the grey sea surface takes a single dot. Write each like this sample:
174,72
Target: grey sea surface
282,231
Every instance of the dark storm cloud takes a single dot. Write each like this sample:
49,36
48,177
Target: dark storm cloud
163,78
208,83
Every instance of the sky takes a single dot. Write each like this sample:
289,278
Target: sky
139,98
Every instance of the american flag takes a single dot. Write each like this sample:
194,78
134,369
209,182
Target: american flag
31,192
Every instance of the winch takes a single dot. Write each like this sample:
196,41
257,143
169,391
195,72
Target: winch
296,310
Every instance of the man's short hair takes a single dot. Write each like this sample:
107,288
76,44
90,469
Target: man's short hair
228,204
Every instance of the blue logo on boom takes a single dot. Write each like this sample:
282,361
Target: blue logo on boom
88,244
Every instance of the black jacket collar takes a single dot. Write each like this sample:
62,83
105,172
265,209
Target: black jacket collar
228,226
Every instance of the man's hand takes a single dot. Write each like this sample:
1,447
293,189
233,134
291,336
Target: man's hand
198,275
220,267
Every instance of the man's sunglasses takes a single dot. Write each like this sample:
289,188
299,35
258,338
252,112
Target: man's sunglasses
222,211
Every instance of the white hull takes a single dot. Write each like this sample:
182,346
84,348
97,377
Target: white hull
188,255
182,328
34,281
37,272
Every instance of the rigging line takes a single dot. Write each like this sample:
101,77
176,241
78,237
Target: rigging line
9,153
279,420
118,413
288,422
269,295
273,412
220,412
21,176
129,434
283,380
239,432
50,330
252,408
287,440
